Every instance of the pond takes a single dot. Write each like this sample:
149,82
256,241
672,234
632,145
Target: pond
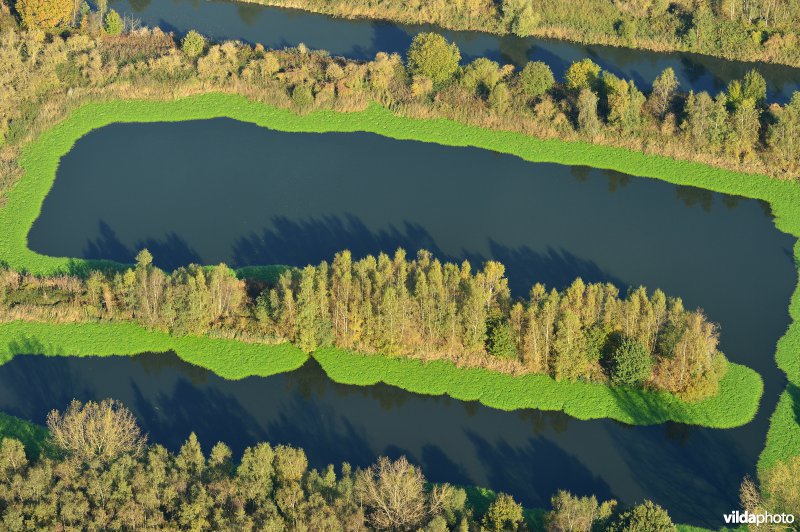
221,190
362,39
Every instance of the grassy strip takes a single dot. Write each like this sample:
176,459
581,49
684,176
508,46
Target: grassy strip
735,404
783,436
230,359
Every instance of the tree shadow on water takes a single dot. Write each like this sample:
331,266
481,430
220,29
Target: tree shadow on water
107,246
317,428
693,471
34,385
554,267
169,252
212,415
316,239
533,472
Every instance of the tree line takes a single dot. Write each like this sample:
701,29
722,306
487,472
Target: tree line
416,307
100,473
753,30
48,73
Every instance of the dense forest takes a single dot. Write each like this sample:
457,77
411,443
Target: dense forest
101,474
400,307
44,75
754,30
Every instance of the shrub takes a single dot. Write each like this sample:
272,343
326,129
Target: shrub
503,514
481,76
582,75
646,517
631,363
302,97
114,23
193,44
430,55
421,86
536,79
500,97
501,340
626,29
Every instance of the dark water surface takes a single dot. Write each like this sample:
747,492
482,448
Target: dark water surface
362,39
221,190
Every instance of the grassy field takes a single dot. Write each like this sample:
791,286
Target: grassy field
735,405
40,161
229,359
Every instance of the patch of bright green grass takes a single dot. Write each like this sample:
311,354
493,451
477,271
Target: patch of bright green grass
230,359
734,405
783,436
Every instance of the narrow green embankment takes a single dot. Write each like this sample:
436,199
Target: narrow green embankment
734,405
40,161
783,437
230,359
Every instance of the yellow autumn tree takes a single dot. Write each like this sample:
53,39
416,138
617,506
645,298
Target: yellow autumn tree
44,14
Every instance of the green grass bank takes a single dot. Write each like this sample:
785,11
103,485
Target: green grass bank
40,161
230,359
734,405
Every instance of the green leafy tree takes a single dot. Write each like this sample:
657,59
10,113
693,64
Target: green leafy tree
582,75
308,312
500,340
663,93
520,17
626,29
570,360
500,98
624,102
744,129
481,76
646,517
114,23
503,514
754,86
302,97
631,363
193,44
536,79
254,475
783,136
430,55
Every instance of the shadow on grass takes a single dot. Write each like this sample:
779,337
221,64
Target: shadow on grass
646,408
794,392
31,345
